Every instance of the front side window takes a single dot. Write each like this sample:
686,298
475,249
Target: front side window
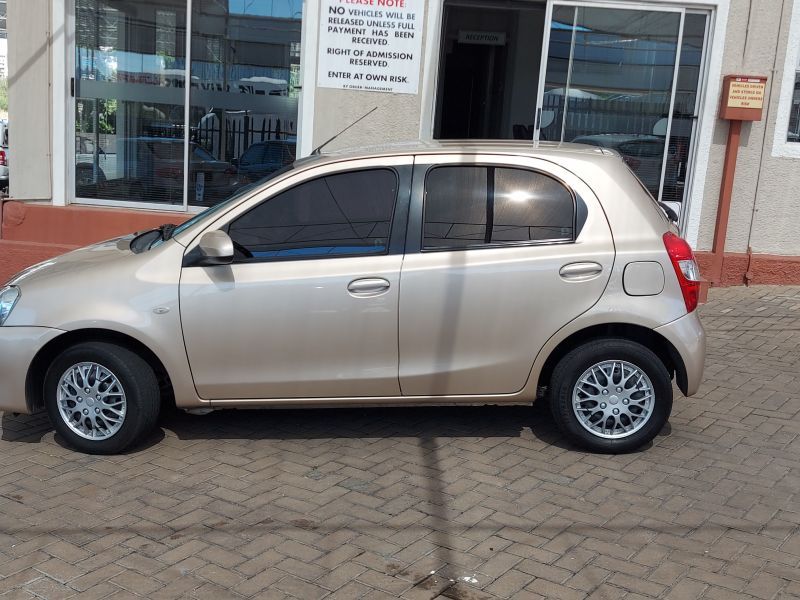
477,206
345,214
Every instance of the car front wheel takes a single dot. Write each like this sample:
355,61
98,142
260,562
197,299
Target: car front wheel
101,398
611,395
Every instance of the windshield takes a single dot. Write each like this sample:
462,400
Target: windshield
243,191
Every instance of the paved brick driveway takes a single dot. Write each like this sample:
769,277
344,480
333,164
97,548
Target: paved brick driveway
458,503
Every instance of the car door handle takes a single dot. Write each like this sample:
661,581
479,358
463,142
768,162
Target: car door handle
369,286
580,271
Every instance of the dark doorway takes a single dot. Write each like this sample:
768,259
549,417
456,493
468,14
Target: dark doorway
489,70
473,91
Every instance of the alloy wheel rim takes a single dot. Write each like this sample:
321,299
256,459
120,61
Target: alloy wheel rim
91,401
613,399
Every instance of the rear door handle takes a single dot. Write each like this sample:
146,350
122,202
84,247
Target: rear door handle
580,271
369,286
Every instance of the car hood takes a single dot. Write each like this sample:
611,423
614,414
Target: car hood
82,259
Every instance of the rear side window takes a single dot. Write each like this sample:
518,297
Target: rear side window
345,214
468,206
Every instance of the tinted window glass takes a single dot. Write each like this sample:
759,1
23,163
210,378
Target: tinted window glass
342,214
455,207
474,206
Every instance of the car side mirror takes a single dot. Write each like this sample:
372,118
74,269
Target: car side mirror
214,248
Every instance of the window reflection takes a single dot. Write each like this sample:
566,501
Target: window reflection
469,207
129,123
609,83
245,88
130,89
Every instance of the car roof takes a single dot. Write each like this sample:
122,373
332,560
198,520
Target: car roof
551,150
619,137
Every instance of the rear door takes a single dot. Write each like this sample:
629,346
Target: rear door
501,253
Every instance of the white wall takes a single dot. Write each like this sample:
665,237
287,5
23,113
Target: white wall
29,99
765,200
397,118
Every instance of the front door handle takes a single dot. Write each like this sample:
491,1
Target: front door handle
580,271
369,286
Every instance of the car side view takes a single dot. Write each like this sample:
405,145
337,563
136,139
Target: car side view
436,273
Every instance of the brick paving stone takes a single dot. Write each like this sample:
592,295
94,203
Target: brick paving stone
470,503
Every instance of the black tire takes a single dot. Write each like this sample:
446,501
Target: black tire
139,382
572,366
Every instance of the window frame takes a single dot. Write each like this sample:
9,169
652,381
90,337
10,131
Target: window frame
500,244
781,146
392,239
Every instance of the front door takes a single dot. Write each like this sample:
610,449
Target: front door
502,253
309,307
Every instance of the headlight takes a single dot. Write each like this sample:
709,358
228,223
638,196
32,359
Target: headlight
8,298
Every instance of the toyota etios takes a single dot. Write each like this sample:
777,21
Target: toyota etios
442,273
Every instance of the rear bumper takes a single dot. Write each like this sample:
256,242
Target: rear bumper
18,347
689,338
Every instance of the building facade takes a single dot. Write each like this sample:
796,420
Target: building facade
124,110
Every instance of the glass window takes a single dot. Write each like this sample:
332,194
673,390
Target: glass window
129,88
130,85
793,135
245,67
478,206
338,215
609,83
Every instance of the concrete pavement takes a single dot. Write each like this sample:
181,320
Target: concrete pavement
458,503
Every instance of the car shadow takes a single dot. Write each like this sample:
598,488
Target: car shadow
424,423
325,423
31,429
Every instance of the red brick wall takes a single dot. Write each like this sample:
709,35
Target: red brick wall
33,232
763,269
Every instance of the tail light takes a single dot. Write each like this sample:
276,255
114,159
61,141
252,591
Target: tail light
3,160
682,258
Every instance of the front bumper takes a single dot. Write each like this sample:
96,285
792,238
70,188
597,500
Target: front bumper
18,347
689,339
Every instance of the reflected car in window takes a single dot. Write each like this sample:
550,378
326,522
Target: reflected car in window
438,273
643,154
263,158
151,168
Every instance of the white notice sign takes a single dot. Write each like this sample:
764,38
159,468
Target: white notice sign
370,45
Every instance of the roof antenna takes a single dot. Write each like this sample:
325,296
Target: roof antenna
318,149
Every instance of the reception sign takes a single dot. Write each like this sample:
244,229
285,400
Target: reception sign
371,45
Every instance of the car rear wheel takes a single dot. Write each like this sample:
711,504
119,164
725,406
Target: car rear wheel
611,395
101,398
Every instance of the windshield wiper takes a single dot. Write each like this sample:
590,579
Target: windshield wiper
166,230
671,214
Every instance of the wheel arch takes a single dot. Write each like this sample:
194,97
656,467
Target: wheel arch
34,380
661,346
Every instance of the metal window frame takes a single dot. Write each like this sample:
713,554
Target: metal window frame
66,173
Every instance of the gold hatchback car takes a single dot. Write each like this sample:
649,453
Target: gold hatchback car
439,273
